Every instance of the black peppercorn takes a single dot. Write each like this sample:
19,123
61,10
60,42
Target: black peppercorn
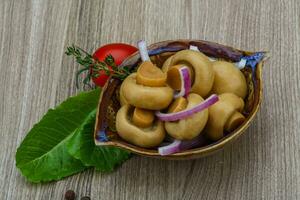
70,195
85,198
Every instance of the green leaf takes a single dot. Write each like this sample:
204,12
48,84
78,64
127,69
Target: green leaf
43,155
82,146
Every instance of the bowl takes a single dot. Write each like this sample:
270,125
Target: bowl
159,52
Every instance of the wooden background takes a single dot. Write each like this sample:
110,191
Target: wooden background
36,75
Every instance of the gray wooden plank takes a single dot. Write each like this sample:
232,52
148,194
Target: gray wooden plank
35,75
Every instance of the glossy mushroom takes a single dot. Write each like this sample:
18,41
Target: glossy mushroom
188,128
147,97
228,79
200,66
225,115
144,137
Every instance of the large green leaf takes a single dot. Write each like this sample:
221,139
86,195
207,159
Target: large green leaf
43,155
82,146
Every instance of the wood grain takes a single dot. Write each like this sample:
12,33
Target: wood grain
36,75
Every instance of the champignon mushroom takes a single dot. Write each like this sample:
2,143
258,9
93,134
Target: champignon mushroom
228,79
147,97
188,128
225,115
143,137
148,75
200,66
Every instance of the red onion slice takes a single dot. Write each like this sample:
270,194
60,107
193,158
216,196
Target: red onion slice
142,45
181,145
170,149
195,48
241,64
188,112
185,82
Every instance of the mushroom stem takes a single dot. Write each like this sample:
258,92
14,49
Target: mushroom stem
178,105
234,121
142,118
150,75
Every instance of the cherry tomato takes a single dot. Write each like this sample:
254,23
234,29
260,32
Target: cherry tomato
119,51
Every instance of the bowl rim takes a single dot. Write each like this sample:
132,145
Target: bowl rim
196,152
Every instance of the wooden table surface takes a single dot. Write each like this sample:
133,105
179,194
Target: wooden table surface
36,75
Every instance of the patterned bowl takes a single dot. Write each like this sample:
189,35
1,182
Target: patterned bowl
105,131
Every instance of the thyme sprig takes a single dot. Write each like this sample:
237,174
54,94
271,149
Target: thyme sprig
94,67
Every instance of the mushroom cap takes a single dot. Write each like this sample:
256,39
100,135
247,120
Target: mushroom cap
237,102
199,64
143,137
152,98
191,127
167,64
229,79
123,101
220,112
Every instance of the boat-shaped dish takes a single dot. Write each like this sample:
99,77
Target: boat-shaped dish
159,52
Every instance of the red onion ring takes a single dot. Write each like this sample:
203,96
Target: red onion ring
188,112
241,64
185,82
181,145
170,149
142,45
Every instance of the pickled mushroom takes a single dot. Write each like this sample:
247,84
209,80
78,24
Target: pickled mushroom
188,128
152,98
199,64
229,79
224,115
144,137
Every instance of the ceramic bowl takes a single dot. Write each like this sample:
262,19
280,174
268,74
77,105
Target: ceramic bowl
159,52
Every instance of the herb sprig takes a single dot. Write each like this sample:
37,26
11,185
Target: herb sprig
94,67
